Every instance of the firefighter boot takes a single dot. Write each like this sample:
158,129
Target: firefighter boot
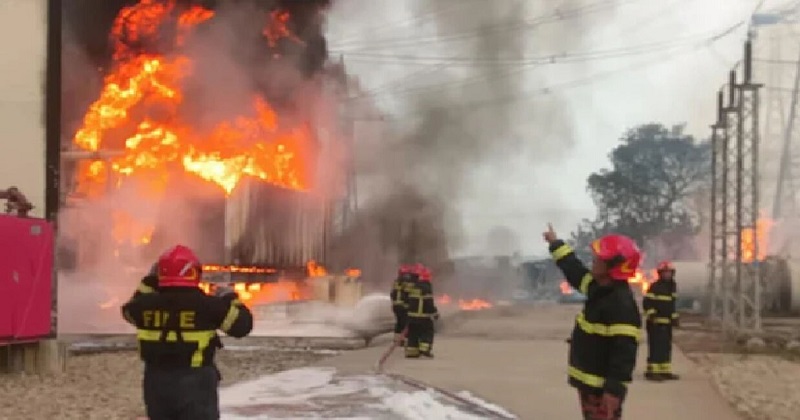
412,353
651,376
669,377
425,349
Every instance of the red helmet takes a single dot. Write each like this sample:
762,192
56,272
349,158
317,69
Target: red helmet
418,269
405,269
665,266
179,267
425,274
620,253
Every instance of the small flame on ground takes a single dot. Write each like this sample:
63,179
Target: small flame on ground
465,305
315,270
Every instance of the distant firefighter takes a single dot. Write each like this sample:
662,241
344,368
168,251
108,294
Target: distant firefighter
176,324
659,310
422,312
406,277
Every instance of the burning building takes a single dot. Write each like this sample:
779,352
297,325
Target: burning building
210,123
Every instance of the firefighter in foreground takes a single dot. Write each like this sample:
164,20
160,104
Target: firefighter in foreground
422,313
405,279
176,325
659,310
606,335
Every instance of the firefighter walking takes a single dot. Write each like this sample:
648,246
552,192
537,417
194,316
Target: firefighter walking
176,325
404,281
605,338
422,313
659,309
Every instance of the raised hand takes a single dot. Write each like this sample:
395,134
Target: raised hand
550,234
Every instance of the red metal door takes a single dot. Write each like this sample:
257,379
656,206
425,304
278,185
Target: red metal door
26,270
7,290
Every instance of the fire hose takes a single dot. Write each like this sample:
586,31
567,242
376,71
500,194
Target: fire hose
390,350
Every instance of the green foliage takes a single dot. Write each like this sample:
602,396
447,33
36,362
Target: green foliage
654,172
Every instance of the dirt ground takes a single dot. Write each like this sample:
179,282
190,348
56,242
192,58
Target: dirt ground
760,385
107,386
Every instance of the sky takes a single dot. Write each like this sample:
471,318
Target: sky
695,44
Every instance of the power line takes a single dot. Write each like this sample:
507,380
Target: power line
544,59
441,66
494,28
406,22
774,61
657,47
528,95
495,76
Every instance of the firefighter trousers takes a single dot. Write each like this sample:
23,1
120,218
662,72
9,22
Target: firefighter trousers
181,394
593,408
400,318
420,336
659,348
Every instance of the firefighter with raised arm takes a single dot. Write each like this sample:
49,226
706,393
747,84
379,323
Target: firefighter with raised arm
605,338
176,324
659,310
422,313
405,279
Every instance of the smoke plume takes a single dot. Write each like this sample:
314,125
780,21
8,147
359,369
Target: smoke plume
482,105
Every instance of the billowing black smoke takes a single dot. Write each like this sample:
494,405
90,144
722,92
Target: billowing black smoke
241,25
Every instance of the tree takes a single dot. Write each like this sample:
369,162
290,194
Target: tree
647,192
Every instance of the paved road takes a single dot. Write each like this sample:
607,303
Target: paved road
515,358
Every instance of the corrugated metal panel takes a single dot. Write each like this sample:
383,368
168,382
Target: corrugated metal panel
268,225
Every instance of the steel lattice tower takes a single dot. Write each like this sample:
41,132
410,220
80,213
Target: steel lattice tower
735,281
719,182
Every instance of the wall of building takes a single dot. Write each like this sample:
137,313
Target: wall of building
23,40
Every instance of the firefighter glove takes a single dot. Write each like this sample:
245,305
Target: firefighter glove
435,316
226,293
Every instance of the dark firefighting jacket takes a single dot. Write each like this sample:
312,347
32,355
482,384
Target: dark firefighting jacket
400,289
176,327
419,300
659,302
606,335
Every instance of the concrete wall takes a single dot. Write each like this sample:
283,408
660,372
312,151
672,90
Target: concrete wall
23,41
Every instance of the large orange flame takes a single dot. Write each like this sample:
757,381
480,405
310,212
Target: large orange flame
140,115
760,237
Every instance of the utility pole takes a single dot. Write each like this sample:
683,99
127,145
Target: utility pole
785,203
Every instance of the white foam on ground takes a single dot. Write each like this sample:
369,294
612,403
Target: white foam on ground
289,329
321,393
487,405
